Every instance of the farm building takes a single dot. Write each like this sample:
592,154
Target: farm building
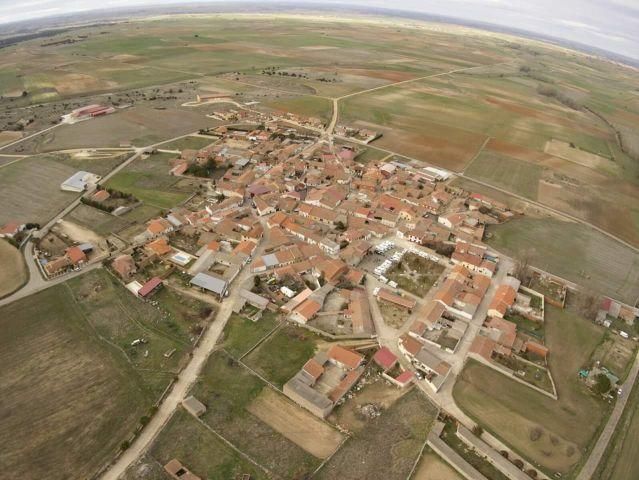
178,471
211,284
388,296
11,229
193,406
150,287
79,181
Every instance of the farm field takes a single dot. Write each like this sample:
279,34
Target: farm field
185,143
230,390
148,179
99,162
572,251
13,271
7,137
57,374
552,433
30,190
140,126
308,106
508,173
398,435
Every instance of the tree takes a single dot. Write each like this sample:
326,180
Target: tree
602,384
478,430
521,266
588,303
518,463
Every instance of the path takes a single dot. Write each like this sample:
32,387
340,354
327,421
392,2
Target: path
599,449
30,136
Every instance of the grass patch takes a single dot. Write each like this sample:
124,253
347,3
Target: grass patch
13,271
241,334
415,274
283,354
200,450
227,388
187,143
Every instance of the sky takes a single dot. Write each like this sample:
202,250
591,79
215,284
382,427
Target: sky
608,24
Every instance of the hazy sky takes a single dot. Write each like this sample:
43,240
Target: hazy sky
609,24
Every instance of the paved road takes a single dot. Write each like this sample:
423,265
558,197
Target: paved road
599,449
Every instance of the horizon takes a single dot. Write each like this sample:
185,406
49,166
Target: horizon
606,25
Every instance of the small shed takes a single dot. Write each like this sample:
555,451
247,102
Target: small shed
193,406
149,287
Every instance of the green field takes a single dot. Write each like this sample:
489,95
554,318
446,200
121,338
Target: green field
572,251
283,354
100,222
398,435
552,433
514,175
193,143
228,388
148,180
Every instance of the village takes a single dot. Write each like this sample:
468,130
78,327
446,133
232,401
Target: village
385,260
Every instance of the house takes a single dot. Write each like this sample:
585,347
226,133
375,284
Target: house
359,312
306,311
158,226
177,471
159,247
11,229
385,359
193,406
474,258
325,379
76,256
403,302
435,369
124,266
504,298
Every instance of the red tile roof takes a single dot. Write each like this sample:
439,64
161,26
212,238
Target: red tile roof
346,357
149,286
385,358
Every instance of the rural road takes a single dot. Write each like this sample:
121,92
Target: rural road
40,132
599,449
186,378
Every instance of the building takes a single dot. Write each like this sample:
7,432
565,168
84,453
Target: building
11,229
124,266
194,406
150,287
325,379
178,471
80,181
385,359
211,284
504,298
388,296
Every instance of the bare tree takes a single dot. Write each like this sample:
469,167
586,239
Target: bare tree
522,264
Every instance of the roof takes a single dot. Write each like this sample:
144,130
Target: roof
345,385
405,377
10,228
149,286
159,246
507,329
385,358
308,308
210,283
313,368
389,296
504,299
483,346
76,255
77,181
194,406
411,345
346,357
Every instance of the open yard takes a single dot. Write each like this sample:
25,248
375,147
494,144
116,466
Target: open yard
397,434
100,222
295,423
30,190
69,397
230,391
572,251
551,433
13,271
415,274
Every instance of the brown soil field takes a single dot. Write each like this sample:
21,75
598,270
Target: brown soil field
565,151
432,467
7,136
390,75
77,83
295,423
13,271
